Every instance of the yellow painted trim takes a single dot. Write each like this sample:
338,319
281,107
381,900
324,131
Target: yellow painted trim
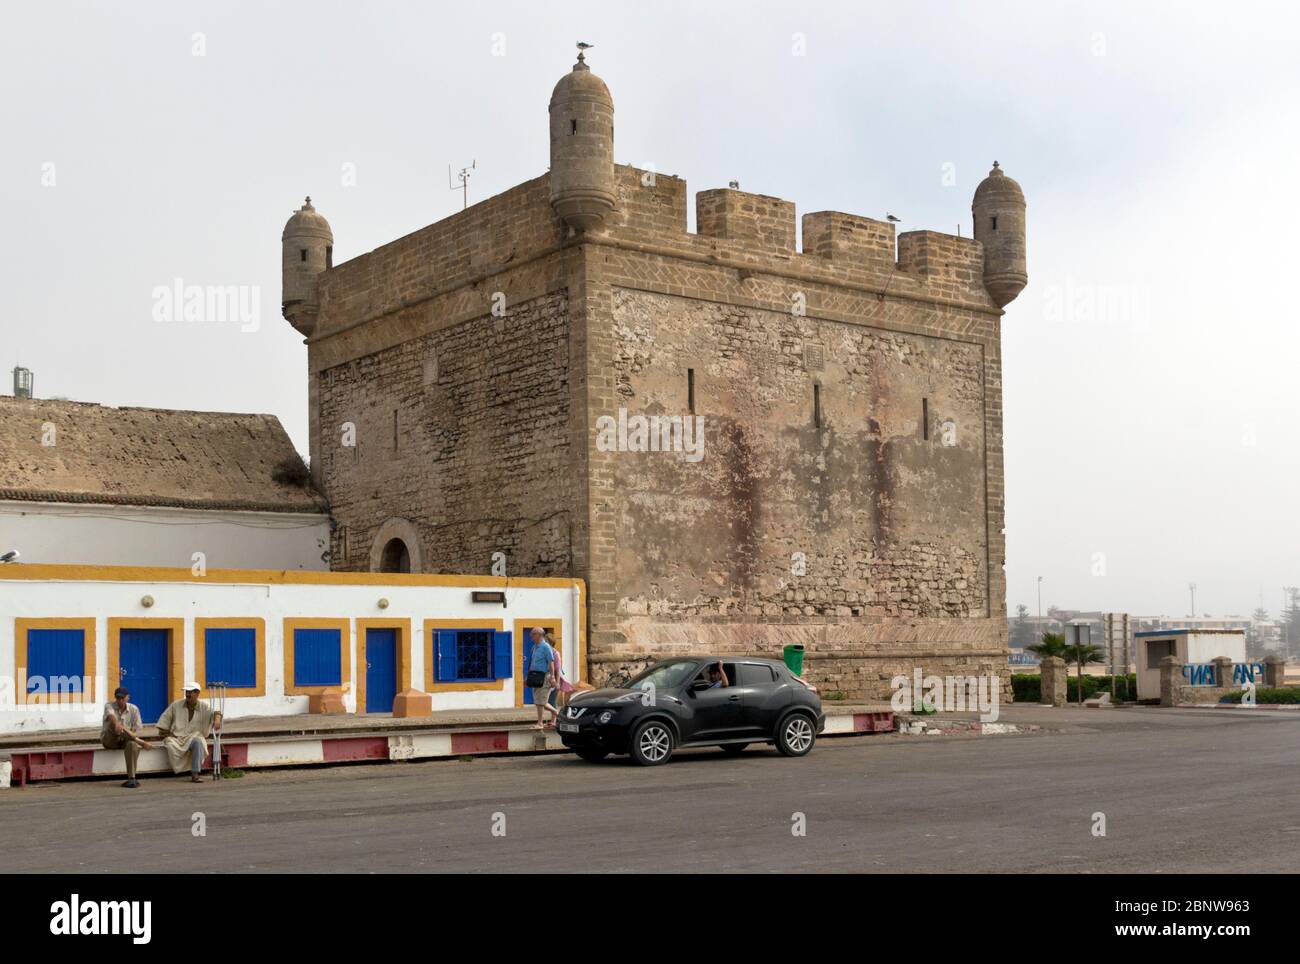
581,631
22,625
431,684
557,629
58,572
255,623
344,626
403,627
175,650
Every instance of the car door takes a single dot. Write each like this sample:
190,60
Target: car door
715,713
763,696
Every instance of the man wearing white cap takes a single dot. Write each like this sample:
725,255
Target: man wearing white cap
185,726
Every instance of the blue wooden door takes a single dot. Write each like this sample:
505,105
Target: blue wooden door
142,658
381,670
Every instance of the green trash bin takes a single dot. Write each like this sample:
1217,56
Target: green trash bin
793,655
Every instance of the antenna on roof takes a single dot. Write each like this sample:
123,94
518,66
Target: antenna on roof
463,177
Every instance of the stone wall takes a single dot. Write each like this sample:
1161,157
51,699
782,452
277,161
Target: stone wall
465,432
862,516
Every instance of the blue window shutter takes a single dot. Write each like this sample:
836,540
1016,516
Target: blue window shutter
446,655
214,657
53,654
232,656
317,660
503,655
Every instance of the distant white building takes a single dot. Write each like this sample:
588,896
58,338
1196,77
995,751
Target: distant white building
87,484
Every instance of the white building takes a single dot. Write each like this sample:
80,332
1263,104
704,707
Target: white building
69,635
1195,649
90,484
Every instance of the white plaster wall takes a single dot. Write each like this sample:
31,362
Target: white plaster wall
1203,647
273,602
121,535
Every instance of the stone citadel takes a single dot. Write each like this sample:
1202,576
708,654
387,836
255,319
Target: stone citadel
850,493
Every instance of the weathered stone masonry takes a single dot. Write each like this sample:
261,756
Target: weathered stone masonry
850,495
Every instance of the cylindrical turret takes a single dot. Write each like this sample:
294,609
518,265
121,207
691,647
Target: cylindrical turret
999,213
307,249
582,148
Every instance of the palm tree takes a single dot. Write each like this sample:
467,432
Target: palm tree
1053,644
1079,654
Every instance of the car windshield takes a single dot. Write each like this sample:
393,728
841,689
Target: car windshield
665,676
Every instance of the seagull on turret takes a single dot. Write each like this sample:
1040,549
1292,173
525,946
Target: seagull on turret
584,46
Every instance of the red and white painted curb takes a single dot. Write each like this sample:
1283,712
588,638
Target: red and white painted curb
71,763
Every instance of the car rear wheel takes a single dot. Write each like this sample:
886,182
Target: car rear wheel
591,754
652,743
733,749
796,735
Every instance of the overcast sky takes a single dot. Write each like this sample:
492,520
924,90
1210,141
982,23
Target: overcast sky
1150,368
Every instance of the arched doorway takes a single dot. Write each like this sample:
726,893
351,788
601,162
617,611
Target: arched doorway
395,557
396,548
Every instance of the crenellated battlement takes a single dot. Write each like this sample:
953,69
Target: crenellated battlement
848,238
942,256
586,199
755,220
758,230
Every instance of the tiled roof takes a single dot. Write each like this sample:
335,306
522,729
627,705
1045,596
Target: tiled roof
60,451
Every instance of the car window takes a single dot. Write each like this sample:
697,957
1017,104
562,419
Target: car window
756,674
703,675
665,676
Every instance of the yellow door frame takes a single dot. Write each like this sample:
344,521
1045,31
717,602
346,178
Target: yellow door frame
403,655
175,650
556,626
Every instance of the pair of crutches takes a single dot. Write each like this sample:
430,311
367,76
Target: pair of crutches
217,695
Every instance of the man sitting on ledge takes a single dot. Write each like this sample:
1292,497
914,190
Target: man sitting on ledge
121,726
185,726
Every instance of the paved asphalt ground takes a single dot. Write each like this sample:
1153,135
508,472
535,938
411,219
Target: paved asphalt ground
1182,790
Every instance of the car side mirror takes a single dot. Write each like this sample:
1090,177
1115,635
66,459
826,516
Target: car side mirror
699,684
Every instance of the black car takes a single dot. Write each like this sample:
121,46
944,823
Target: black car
687,702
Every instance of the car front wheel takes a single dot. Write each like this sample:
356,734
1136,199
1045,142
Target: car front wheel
652,743
796,735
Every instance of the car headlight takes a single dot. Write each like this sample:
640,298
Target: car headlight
605,717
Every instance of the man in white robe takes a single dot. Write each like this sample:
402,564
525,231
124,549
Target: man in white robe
185,727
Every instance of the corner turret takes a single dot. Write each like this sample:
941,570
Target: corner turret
582,148
999,213
307,249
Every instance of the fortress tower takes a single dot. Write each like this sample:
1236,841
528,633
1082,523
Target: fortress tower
847,492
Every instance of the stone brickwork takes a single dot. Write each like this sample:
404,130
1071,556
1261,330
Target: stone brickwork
464,431
860,516
850,493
